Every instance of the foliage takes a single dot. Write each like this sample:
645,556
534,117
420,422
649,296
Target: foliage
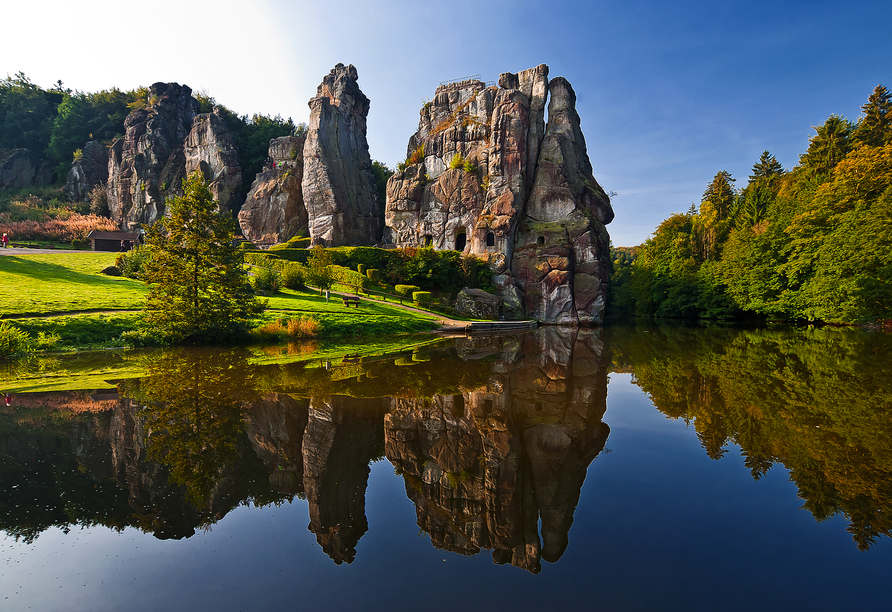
810,244
319,264
13,341
132,262
421,297
406,290
373,274
72,227
265,279
457,162
381,173
199,290
288,329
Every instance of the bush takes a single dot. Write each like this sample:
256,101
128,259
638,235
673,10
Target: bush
13,341
301,327
265,279
374,275
247,245
298,242
458,162
131,263
346,276
421,298
407,290
99,201
291,276
360,268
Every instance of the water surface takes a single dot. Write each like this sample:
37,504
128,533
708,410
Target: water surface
626,468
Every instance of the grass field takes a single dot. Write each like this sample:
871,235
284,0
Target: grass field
64,282
55,290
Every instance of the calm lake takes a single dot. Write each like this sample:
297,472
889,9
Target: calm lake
626,468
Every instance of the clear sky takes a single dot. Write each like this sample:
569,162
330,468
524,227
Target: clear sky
669,92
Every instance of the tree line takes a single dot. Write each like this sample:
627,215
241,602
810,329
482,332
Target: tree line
811,243
55,123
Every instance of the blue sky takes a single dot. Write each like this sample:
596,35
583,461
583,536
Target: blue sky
669,93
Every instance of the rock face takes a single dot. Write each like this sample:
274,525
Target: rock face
485,175
338,186
477,304
162,143
20,168
274,210
87,172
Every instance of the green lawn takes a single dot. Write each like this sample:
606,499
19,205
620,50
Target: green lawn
64,282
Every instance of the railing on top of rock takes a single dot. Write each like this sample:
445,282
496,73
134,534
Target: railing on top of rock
473,77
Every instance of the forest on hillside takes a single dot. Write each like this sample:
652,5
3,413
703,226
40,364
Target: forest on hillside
812,243
55,123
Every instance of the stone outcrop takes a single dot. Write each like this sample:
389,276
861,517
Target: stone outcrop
162,143
20,168
90,170
477,304
485,175
274,210
339,189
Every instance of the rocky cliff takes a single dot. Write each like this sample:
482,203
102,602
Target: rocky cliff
90,170
338,186
20,168
274,210
486,175
162,143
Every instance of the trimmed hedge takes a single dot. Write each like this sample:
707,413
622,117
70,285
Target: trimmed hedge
421,297
373,274
406,290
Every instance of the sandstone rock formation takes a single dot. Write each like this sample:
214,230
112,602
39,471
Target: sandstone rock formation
20,168
338,186
162,143
486,175
87,172
274,210
477,304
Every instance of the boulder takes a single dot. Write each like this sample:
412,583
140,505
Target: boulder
19,168
274,210
477,304
338,186
87,172
526,201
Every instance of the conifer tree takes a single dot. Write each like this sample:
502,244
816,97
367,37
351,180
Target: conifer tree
199,289
875,127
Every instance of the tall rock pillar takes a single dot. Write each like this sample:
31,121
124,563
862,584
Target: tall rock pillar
338,186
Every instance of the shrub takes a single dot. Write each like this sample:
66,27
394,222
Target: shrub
469,167
373,274
346,276
301,327
291,276
457,162
360,268
72,227
247,246
99,201
421,298
132,262
13,341
416,157
407,290
265,279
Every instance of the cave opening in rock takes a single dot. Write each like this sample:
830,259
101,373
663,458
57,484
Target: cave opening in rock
461,239
540,240
490,239
428,240
458,406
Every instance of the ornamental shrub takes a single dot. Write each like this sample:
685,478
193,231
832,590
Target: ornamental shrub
374,275
265,279
421,298
406,290
360,268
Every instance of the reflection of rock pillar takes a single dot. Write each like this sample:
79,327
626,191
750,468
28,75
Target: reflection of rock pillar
342,437
276,429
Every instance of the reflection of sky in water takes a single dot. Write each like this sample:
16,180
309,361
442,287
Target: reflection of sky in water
658,526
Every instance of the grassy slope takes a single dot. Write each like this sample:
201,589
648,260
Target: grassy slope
64,282
56,284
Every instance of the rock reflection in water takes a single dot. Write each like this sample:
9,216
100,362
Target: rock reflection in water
483,467
491,437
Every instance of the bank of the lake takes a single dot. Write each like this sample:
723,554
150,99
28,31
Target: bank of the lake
66,295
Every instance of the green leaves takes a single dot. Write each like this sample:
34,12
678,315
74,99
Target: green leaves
199,287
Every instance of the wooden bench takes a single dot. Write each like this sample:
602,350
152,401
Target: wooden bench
350,300
351,358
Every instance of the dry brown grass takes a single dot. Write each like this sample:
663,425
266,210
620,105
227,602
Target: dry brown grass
301,327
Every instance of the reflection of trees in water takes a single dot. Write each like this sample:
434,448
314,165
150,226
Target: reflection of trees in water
498,433
817,401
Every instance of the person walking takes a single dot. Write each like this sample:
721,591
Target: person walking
5,240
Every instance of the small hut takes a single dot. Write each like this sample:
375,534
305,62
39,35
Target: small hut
114,241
